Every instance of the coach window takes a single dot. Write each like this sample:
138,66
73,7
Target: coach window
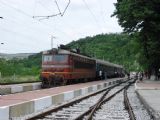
82,65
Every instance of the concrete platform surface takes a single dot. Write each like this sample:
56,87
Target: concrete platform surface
7,100
20,105
16,88
149,94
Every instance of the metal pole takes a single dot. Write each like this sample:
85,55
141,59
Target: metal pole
52,37
0,75
0,57
51,42
1,44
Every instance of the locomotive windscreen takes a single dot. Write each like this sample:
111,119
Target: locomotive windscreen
55,58
47,58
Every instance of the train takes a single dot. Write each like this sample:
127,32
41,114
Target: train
62,66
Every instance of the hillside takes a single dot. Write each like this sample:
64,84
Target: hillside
116,48
18,55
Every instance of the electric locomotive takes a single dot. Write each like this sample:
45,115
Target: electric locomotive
60,67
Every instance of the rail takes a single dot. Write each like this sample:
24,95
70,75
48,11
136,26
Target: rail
100,102
91,109
128,106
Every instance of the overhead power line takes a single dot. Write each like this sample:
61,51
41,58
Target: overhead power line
30,16
94,17
18,10
61,13
90,10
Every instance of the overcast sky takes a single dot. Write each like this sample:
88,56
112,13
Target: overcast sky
21,33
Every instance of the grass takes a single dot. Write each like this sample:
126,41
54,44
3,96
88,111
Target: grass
15,79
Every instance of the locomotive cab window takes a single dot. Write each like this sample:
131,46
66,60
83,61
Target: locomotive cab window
55,58
60,58
47,58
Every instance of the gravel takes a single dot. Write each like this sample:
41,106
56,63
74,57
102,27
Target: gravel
112,110
138,108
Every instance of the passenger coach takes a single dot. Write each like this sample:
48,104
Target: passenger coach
109,70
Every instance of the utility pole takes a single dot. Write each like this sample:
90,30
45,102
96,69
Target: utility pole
103,58
52,37
0,48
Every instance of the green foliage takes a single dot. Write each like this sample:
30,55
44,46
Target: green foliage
142,17
117,48
27,66
18,79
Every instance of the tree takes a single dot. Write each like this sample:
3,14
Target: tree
142,17
116,48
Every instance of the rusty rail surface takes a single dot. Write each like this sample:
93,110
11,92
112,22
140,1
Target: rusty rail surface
128,106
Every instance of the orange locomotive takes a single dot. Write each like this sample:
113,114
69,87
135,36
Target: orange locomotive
60,67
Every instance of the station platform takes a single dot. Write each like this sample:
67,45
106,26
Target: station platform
24,105
16,88
148,92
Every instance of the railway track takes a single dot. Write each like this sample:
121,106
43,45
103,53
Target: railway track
137,107
111,107
77,109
